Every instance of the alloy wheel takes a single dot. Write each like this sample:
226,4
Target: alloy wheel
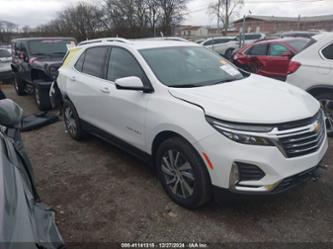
178,174
327,106
16,84
70,121
37,97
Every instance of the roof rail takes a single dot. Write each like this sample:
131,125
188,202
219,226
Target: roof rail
164,38
102,40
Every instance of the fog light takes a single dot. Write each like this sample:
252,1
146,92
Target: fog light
234,175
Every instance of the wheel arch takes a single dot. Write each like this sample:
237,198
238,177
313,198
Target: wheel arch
315,90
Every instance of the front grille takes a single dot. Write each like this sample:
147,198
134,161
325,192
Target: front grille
249,172
295,180
304,141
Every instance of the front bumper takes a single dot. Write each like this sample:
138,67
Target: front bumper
6,75
278,168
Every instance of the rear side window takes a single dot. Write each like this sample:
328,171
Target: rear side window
299,45
123,64
95,61
257,50
328,52
277,50
79,64
207,43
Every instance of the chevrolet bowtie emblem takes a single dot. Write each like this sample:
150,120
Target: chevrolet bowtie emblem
316,127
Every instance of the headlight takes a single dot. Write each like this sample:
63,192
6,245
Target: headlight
241,133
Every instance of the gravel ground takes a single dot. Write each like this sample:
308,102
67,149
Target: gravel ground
102,194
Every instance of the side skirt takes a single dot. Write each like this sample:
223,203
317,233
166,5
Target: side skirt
111,139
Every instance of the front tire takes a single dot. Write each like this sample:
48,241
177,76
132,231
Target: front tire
183,173
72,121
42,99
326,102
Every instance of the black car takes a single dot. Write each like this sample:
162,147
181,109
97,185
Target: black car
35,63
25,222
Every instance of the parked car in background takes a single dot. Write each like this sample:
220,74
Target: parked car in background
269,57
25,221
35,63
226,46
304,34
312,70
134,94
5,65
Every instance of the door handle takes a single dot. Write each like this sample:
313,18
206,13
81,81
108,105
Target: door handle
105,90
73,78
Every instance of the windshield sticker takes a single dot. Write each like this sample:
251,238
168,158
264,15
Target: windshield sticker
230,70
223,62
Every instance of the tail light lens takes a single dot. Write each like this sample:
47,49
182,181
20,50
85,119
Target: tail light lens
293,67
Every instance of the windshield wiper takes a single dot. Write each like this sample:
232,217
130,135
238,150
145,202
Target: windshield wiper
186,86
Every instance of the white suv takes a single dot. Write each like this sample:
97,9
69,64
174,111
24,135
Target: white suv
312,70
203,124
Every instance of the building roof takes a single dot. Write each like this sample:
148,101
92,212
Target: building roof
191,27
288,19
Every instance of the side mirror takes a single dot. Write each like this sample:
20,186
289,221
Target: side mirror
132,83
10,113
287,54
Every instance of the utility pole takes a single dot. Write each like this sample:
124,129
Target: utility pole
226,22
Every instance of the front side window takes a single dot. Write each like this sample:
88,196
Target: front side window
258,50
207,43
277,50
95,61
189,66
123,64
328,52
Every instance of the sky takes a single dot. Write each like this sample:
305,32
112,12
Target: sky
36,12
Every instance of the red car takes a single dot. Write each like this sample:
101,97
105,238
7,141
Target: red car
270,57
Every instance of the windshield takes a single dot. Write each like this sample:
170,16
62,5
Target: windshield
50,47
189,66
4,53
298,44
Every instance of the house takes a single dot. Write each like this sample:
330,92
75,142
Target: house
274,24
191,32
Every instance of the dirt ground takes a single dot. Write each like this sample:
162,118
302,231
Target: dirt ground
102,194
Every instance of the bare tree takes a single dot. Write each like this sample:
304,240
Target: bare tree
224,10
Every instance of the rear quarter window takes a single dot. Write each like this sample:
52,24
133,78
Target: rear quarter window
328,52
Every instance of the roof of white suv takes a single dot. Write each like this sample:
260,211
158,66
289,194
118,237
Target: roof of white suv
142,44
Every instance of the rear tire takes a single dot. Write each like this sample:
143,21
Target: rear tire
183,173
19,86
326,102
72,121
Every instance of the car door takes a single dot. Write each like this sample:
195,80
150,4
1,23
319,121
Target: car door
277,61
125,110
85,85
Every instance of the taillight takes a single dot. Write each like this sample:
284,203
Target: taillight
293,67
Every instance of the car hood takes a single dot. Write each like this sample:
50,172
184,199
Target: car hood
255,99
